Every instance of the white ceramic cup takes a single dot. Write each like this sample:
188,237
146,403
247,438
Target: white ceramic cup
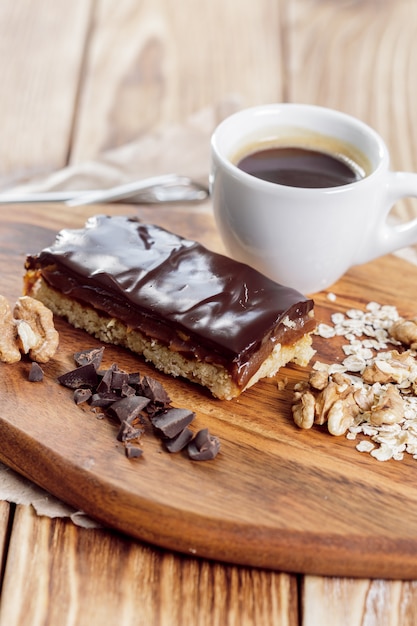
301,237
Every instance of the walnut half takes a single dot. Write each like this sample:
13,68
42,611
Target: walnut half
35,328
9,350
28,329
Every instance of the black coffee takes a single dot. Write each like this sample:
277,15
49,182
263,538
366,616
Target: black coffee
299,167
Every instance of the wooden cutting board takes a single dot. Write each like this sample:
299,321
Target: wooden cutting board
275,497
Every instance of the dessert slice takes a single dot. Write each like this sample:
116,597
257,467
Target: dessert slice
189,311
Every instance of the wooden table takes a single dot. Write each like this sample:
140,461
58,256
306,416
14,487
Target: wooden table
85,76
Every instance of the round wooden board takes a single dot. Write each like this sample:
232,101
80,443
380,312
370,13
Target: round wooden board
275,496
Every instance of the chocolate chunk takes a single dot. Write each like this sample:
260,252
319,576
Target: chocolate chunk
134,379
104,399
83,376
133,452
114,380
127,397
128,432
204,446
105,384
92,355
119,379
82,395
178,443
127,390
153,390
128,409
171,422
35,373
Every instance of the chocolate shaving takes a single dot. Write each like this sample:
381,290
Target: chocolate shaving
35,373
204,446
128,432
171,422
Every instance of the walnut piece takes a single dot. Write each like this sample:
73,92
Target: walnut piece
389,408
364,398
9,351
35,328
319,379
391,367
342,415
333,403
304,409
405,331
339,403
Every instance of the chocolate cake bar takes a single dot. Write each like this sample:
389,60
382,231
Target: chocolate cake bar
189,311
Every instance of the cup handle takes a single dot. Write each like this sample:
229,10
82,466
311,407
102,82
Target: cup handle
393,237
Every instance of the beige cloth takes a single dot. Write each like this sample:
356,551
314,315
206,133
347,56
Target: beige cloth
181,149
14,488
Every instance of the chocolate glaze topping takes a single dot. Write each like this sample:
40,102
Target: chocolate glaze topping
202,304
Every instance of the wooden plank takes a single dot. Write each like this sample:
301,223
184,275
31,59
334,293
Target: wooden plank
164,62
41,53
59,574
356,602
5,526
356,59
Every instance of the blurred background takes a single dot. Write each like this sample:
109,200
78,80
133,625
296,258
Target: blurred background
83,77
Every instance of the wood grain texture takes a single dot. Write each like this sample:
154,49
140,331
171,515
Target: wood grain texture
59,574
357,56
6,516
361,602
42,47
165,61
275,497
